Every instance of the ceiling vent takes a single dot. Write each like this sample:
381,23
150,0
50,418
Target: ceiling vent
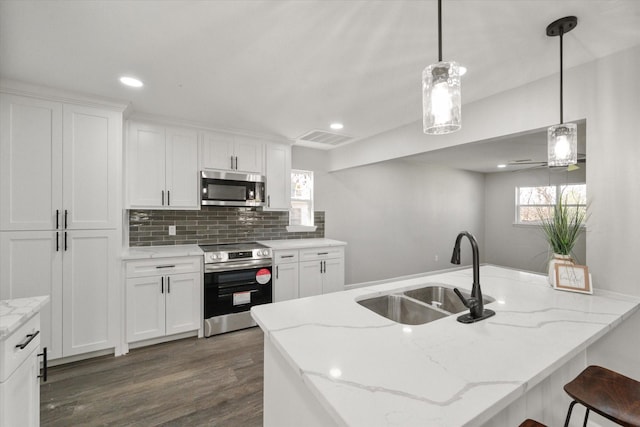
323,137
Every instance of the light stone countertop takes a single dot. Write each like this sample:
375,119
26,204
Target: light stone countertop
366,370
15,312
301,243
168,251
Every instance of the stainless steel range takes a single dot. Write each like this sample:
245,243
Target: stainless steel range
236,277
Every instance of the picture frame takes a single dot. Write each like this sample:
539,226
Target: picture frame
573,278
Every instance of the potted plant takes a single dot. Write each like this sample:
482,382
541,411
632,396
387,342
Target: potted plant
562,227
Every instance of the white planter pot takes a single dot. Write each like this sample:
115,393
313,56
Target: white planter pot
557,259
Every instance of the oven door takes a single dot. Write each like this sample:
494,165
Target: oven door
236,289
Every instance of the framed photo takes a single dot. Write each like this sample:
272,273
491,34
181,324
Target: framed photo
574,278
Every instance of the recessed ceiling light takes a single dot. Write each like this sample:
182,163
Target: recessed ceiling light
336,126
131,81
502,166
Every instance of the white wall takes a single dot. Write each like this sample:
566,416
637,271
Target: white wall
521,246
396,217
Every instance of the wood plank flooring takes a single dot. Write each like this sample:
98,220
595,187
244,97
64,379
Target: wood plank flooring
213,381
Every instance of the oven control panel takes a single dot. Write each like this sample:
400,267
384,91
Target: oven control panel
230,256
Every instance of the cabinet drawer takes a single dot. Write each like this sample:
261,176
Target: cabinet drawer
161,266
321,253
282,257
12,356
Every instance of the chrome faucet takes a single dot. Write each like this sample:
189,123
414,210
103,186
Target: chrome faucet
475,303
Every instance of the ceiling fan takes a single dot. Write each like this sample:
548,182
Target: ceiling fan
582,158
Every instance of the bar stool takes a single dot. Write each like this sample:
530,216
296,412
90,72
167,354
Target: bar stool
607,393
531,423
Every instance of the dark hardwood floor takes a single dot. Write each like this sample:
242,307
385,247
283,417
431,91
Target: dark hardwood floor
213,381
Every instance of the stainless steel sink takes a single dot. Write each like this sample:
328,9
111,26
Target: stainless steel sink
418,306
402,309
443,297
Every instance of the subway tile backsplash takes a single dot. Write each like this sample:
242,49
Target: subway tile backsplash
213,225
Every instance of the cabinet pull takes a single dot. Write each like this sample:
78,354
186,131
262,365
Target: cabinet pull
236,162
44,365
162,197
57,218
231,162
320,267
165,266
65,241
57,241
277,271
66,214
168,197
27,340
168,285
162,285
286,256
323,253
268,201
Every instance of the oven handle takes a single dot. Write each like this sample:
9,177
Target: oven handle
232,266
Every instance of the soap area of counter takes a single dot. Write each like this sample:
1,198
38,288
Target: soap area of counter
330,361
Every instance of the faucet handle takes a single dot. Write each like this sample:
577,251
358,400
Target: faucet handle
467,302
471,303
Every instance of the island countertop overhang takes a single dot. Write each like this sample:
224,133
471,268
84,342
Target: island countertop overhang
361,367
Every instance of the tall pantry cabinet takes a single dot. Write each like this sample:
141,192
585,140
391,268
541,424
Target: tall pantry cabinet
60,232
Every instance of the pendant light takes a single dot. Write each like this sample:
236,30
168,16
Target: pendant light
441,106
562,139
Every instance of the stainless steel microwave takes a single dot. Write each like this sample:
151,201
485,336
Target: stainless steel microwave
232,189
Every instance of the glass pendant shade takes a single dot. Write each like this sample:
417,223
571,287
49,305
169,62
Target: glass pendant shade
562,145
441,105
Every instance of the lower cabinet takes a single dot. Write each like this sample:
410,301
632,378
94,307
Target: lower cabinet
163,297
308,272
19,381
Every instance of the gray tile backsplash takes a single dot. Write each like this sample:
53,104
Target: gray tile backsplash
212,225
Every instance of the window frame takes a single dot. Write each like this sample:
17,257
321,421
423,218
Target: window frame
559,188
309,202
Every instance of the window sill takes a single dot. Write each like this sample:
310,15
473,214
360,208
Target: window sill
301,228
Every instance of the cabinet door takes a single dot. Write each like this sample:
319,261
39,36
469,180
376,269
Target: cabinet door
333,276
146,166
31,266
310,279
217,151
90,280
30,163
285,283
183,302
249,155
92,154
20,395
278,173
145,308
182,178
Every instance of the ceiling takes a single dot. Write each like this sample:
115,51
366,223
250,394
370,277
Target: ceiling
518,152
283,68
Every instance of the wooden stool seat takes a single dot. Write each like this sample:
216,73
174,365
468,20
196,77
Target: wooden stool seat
531,423
607,393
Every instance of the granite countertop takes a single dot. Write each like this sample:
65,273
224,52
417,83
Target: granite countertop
364,368
300,243
148,252
14,312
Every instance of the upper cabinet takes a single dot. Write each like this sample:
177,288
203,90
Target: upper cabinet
162,167
59,165
278,173
228,152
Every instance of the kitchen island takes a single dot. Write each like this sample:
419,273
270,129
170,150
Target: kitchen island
330,361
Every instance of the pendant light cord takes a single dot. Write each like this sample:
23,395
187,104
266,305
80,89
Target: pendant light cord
561,68
439,30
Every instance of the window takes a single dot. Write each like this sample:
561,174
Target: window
301,211
534,202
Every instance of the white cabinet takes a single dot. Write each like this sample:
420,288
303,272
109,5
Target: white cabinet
321,270
278,173
285,283
59,165
231,153
60,217
19,382
162,167
163,297
77,268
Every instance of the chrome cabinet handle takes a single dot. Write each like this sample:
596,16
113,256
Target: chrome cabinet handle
27,340
44,365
